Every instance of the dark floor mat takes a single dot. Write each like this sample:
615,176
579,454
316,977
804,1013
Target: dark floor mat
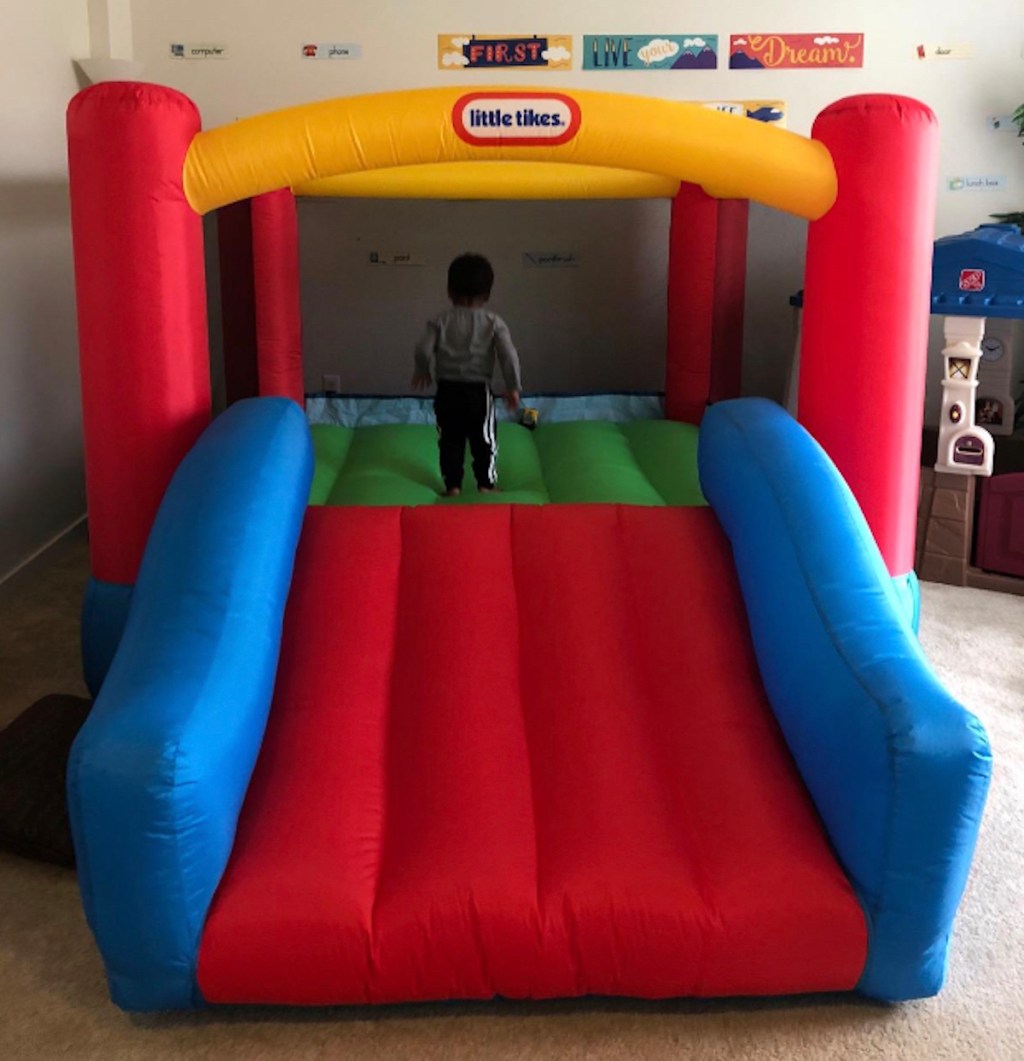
33,761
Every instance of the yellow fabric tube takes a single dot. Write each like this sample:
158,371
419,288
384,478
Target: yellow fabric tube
729,157
494,180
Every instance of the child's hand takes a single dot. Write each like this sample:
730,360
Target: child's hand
511,400
421,380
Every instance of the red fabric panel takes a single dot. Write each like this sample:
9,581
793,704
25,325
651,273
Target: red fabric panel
999,543
866,306
693,235
275,255
523,752
237,301
730,293
141,295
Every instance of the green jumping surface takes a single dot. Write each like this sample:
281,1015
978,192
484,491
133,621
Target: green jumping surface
646,462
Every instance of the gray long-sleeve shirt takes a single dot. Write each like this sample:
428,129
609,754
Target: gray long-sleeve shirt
462,344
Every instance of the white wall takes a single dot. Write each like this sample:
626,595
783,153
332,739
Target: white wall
41,480
264,71
599,326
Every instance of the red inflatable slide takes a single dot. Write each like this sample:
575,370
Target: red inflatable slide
476,783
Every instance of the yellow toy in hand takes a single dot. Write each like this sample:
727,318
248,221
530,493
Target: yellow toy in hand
528,417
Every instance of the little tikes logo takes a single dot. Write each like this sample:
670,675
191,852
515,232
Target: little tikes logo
526,119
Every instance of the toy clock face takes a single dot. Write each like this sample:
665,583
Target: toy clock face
991,348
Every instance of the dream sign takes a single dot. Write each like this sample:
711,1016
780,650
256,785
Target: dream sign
487,119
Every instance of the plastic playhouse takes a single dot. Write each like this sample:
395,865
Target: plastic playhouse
977,277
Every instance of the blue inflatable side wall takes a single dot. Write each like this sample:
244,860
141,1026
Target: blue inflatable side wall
897,768
158,773
908,590
104,614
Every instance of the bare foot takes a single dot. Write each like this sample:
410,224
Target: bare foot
489,489
452,491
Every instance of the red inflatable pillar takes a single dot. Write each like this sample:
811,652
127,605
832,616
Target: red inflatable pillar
259,288
866,306
275,258
138,249
730,294
706,284
237,301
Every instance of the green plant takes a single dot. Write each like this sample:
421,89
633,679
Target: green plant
1017,217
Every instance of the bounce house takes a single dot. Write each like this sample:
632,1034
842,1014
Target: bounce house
652,722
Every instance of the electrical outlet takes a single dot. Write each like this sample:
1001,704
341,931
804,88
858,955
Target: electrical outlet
332,384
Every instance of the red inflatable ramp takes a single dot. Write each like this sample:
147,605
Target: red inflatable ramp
523,752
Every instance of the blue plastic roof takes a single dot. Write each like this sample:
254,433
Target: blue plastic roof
979,273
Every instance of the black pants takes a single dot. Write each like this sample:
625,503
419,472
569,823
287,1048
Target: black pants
465,413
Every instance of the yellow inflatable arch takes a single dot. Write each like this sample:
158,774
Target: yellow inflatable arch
508,143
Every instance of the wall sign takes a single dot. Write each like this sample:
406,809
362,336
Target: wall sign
199,51
945,51
791,51
772,111
550,260
527,119
476,52
403,258
976,184
661,52
332,51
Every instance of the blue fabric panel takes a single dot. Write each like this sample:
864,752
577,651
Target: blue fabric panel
158,773
368,410
104,614
908,589
897,768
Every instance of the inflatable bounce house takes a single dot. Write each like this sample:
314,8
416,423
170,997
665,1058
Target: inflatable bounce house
654,723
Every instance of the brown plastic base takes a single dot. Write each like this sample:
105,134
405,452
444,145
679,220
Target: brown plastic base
945,531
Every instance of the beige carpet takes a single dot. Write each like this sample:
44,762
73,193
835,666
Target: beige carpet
53,1002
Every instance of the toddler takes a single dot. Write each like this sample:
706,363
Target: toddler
458,350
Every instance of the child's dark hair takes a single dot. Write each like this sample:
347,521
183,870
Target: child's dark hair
470,276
